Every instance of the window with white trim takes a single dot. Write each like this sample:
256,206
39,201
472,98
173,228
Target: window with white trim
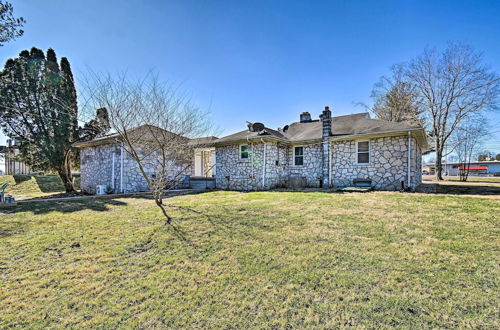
244,151
363,152
298,156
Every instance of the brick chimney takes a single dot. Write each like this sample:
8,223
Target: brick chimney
326,120
305,117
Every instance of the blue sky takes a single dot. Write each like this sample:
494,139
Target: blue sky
258,60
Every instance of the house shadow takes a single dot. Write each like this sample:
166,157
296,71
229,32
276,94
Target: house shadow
468,189
459,188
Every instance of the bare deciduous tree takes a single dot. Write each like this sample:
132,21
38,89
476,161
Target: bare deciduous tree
465,140
154,123
453,86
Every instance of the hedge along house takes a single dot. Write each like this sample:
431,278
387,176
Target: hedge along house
105,161
327,152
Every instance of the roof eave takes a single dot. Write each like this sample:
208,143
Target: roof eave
248,139
93,143
422,139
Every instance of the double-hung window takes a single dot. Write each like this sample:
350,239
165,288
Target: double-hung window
298,156
363,152
244,152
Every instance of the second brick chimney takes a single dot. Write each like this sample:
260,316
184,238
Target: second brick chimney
305,117
326,120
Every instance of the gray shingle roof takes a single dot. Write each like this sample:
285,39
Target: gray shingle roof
203,141
143,132
355,124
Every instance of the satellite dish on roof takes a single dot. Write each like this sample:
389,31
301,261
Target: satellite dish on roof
257,127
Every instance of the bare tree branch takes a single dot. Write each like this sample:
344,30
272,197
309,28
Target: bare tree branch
454,87
155,124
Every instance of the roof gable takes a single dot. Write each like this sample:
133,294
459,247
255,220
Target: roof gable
140,133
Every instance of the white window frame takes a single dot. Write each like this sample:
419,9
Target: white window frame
369,153
303,150
240,152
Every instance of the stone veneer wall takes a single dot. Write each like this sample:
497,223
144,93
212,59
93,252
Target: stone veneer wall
388,163
235,173
388,167
312,168
96,165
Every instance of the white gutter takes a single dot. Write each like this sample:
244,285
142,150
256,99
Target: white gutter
333,138
250,156
409,159
350,136
113,173
121,170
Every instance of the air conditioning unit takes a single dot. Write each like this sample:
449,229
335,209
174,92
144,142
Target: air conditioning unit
100,189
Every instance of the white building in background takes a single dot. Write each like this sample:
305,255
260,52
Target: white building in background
476,168
12,164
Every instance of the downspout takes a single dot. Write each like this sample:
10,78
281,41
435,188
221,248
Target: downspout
409,159
250,156
264,166
121,170
113,173
330,165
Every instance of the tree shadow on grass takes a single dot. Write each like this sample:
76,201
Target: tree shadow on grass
49,183
99,205
10,227
57,194
216,220
21,178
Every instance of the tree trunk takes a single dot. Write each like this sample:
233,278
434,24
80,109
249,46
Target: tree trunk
67,179
159,203
439,161
461,171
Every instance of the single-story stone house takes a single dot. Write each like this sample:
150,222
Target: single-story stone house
325,152
104,161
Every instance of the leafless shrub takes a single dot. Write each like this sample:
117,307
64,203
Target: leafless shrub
155,123
465,141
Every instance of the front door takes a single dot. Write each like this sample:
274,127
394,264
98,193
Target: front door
198,163
203,160
207,163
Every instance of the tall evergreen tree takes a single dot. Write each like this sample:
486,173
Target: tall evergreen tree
10,26
38,105
398,105
396,100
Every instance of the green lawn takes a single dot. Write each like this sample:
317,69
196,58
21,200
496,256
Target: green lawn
253,260
34,186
